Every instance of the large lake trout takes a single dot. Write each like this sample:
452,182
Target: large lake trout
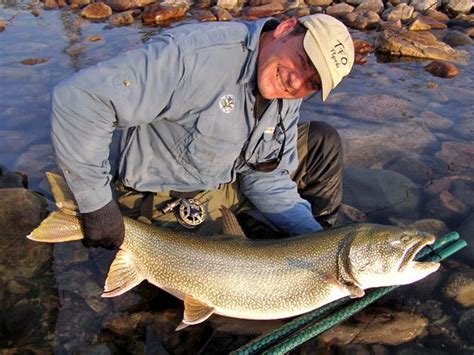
234,276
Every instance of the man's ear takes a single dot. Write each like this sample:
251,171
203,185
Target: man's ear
285,27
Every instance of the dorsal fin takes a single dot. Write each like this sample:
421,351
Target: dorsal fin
194,312
230,225
62,194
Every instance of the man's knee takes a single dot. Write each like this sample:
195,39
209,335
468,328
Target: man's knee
322,133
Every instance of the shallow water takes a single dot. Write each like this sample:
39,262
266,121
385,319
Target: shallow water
376,97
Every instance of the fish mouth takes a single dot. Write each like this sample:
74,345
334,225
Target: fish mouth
410,253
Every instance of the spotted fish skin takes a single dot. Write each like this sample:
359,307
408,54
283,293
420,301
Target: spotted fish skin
234,276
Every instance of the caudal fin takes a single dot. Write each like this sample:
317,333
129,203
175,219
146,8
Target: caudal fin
58,227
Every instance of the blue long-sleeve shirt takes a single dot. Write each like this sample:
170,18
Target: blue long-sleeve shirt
185,103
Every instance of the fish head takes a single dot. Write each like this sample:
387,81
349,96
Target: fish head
384,256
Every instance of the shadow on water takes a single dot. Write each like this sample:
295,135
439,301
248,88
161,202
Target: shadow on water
407,138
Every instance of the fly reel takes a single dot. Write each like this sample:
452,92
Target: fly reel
190,213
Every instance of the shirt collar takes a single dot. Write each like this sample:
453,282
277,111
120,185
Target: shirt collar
251,43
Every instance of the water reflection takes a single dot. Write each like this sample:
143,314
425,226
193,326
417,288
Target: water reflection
393,118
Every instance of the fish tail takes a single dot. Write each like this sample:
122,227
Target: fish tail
58,227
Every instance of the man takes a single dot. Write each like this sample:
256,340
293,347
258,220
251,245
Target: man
209,111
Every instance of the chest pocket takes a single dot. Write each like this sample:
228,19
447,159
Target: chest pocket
209,150
268,146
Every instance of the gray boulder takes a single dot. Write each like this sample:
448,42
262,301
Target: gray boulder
381,193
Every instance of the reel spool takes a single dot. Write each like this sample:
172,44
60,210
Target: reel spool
190,213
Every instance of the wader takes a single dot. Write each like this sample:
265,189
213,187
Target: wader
318,177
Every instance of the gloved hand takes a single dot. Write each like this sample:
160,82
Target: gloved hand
104,227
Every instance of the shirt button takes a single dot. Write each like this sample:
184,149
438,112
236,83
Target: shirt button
127,82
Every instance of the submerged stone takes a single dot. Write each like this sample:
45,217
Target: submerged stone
34,61
377,325
460,288
457,38
442,69
457,155
96,11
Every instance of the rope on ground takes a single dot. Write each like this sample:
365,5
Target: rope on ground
314,323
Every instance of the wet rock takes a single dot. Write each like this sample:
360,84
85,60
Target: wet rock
203,15
54,4
221,14
457,155
377,325
339,10
377,108
2,25
466,325
456,38
157,13
371,5
229,4
459,6
447,208
400,12
123,5
320,2
394,25
362,19
418,25
34,61
418,44
96,11
20,212
381,192
263,10
437,15
434,120
19,287
79,3
125,18
423,5
460,287
442,69
411,167
362,47
299,12
469,31
439,185
9,179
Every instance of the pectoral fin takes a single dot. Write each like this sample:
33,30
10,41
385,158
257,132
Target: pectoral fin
194,312
230,225
123,275
356,291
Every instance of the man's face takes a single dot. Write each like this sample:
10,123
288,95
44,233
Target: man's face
284,71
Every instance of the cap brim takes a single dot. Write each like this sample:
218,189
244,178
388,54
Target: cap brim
314,53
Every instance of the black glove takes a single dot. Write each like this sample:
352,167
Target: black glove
104,227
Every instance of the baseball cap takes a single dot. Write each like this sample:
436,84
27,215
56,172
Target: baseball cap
329,46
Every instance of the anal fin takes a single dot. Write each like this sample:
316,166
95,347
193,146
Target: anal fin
123,275
195,312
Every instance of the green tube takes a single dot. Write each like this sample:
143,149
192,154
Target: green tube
441,249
